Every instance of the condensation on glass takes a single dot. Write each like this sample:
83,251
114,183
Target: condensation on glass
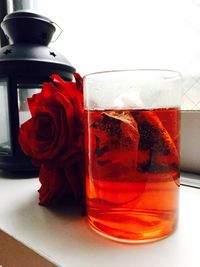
5,140
25,91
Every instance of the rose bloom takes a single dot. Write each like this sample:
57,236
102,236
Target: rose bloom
54,138
55,129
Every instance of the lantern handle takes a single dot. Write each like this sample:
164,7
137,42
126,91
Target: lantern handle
59,33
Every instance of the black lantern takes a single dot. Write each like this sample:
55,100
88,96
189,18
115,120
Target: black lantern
24,65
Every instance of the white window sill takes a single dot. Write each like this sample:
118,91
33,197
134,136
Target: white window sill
64,237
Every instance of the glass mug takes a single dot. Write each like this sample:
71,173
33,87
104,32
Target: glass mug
132,136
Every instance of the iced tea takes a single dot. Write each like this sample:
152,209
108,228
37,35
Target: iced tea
132,172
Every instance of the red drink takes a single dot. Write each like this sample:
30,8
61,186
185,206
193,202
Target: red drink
133,173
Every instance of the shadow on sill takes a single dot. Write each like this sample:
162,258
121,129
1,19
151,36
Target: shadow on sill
190,179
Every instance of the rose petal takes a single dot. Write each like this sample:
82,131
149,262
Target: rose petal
75,174
54,185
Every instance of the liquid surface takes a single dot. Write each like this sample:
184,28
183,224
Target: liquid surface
132,178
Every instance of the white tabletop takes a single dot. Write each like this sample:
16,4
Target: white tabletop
64,237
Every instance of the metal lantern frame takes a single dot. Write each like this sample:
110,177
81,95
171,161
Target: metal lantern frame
26,61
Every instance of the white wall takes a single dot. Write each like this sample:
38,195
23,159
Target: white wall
115,34
124,34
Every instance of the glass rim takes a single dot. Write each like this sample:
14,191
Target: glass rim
175,72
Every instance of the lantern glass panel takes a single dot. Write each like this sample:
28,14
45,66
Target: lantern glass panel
5,140
25,91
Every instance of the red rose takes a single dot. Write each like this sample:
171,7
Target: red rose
54,138
54,187
55,130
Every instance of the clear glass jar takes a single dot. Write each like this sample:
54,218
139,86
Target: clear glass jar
132,152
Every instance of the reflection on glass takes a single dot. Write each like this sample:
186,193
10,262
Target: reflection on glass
25,91
5,142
